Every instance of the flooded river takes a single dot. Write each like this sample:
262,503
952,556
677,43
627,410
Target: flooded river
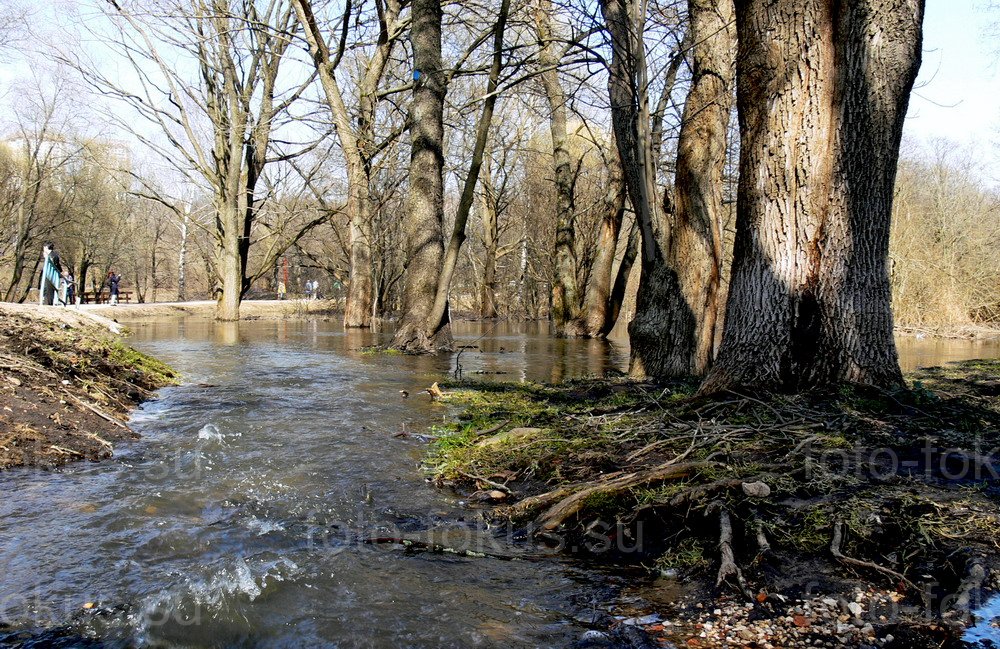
240,518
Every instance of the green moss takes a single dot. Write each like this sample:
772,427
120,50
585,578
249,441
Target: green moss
157,373
376,350
689,554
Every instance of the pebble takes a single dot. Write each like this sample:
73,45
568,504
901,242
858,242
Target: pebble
808,623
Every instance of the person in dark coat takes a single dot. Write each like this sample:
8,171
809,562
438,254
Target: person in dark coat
113,281
70,284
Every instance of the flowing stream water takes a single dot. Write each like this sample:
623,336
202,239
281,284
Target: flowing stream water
240,517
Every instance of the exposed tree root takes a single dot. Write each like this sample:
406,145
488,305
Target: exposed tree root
571,500
727,564
838,538
784,477
496,485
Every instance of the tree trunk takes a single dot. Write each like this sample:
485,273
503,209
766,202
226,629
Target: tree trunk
491,236
695,249
618,289
229,265
565,291
422,228
81,278
438,317
822,90
360,297
658,284
356,143
597,301
182,256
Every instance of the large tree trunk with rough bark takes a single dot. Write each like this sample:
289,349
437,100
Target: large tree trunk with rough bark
422,228
229,266
695,228
822,90
438,316
597,301
658,284
566,302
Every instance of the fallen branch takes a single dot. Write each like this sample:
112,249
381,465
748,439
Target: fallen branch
99,440
65,451
478,478
437,548
579,494
96,411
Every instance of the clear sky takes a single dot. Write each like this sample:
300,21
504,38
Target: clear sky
958,90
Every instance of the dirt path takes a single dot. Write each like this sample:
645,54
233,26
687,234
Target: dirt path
249,309
67,384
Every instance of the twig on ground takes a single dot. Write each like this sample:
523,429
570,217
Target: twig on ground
487,481
96,411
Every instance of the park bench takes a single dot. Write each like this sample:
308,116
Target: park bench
104,297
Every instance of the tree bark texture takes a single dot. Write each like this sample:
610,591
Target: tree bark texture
695,227
822,91
566,302
438,316
491,241
597,301
651,356
423,226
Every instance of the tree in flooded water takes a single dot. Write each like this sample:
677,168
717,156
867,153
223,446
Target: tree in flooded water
426,322
673,331
216,129
424,223
822,91
356,122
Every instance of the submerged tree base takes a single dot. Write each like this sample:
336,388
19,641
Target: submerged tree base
757,497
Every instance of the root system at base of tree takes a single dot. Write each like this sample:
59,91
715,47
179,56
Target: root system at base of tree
752,496
66,387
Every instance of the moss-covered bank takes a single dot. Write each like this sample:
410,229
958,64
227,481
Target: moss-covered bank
751,495
67,385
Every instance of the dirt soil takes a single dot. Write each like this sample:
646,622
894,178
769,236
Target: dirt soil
249,309
67,385
855,517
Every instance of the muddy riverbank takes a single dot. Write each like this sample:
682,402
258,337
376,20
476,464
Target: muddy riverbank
851,518
67,385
